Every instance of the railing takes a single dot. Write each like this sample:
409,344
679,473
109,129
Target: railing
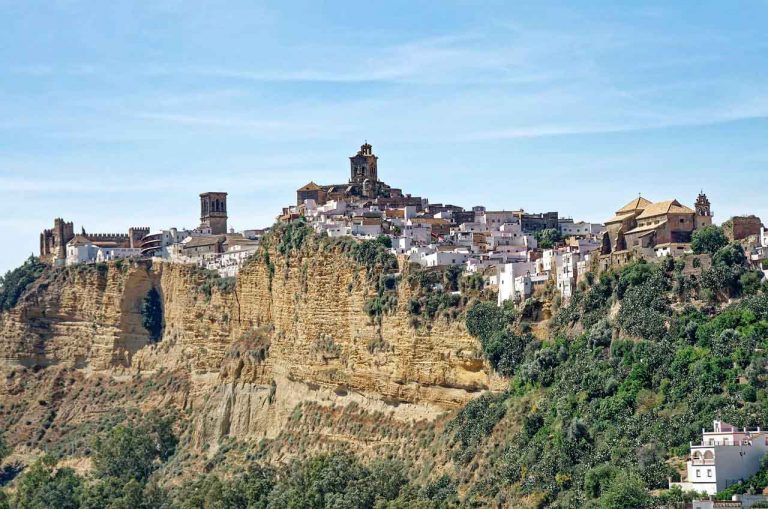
702,462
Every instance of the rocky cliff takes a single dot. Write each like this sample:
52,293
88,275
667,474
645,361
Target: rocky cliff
292,330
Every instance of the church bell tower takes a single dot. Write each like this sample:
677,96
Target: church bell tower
363,165
703,215
213,212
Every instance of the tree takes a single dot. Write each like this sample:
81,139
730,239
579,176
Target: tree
485,319
505,350
125,453
41,488
384,240
625,492
751,282
547,237
708,239
5,450
16,282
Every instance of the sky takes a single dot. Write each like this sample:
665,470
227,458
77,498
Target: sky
117,114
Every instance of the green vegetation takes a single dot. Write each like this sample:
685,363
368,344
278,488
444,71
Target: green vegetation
548,237
4,449
124,459
207,280
152,314
708,240
16,281
493,326
336,481
615,398
442,292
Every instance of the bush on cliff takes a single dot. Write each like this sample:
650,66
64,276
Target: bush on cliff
16,281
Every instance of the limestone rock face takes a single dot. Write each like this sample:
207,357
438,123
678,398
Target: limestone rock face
292,329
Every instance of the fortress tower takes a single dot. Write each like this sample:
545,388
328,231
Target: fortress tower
213,212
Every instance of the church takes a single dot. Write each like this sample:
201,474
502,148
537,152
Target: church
363,187
644,224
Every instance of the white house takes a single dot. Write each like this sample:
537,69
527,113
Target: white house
725,456
567,274
420,233
506,279
80,250
664,250
737,501
550,260
579,229
525,285
445,258
365,229
106,254
401,245
418,254
494,219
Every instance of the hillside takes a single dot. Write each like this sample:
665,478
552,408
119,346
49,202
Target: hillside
332,359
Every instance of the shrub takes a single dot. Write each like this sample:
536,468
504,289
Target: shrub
477,419
708,239
485,319
547,237
15,282
41,487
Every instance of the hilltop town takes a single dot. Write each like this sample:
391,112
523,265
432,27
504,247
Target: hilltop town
516,252
571,363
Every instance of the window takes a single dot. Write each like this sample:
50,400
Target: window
709,472
725,441
698,473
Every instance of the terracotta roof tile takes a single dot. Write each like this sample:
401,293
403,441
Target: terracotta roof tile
638,203
310,187
665,207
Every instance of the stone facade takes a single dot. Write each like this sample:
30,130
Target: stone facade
213,212
53,242
741,227
642,224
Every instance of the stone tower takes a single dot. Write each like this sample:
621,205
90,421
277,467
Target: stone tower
213,212
703,215
363,165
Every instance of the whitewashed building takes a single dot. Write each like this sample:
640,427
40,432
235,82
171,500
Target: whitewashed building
107,254
567,274
580,228
445,258
724,457
80,250
506,280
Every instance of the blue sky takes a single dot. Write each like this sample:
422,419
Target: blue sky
120,113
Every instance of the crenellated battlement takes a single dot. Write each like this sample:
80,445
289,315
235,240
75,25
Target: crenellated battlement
94,237
53,241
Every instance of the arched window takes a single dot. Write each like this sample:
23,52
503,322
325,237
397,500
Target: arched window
709,455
